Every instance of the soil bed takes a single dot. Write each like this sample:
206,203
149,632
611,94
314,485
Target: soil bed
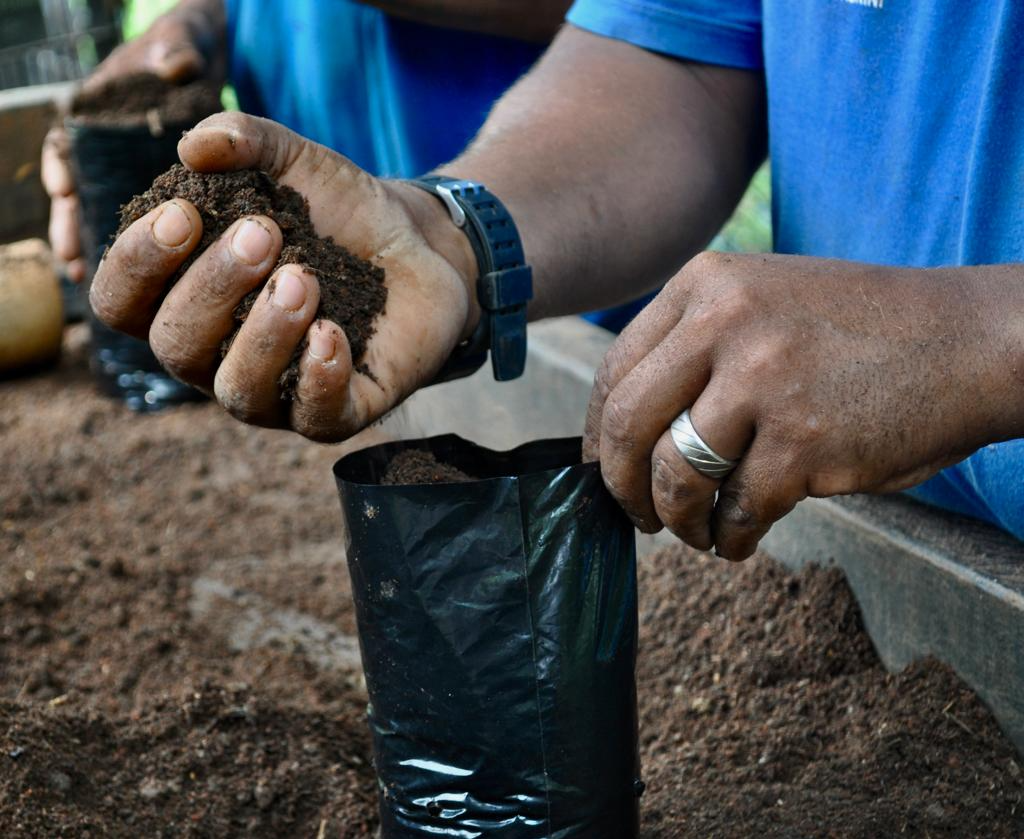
144,98
177,658
352,290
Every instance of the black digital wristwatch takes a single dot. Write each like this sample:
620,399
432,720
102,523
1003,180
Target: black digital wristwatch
504,285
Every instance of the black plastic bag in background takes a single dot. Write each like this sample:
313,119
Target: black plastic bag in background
498,628
112,164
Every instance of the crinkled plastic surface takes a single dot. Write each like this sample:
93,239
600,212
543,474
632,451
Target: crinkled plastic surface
112,164
498,628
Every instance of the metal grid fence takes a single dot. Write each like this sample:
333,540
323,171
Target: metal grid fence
43,41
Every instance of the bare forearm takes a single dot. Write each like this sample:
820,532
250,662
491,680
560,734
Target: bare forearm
528,20
617,164
207,19
989,347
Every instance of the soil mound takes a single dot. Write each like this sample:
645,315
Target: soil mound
352,290
219,761
765,712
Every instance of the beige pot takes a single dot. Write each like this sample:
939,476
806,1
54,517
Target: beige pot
31,312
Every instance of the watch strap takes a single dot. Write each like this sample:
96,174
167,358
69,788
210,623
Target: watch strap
504,285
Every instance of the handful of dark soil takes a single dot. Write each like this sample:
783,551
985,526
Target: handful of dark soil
352,290
415,466
146,99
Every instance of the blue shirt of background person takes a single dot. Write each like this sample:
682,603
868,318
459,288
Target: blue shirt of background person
896,135
398,98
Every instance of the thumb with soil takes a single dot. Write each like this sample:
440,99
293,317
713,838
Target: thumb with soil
289,363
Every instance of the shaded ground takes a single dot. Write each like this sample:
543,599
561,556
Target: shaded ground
177,658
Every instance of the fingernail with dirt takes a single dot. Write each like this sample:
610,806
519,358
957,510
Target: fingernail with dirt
252,242
321,344
289,292
172,227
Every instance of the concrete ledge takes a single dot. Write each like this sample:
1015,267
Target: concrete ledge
928,583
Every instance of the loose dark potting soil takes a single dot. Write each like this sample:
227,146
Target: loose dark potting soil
415,466
177,658
144,97
352,290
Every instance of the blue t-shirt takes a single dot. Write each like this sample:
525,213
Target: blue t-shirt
397,98
896,136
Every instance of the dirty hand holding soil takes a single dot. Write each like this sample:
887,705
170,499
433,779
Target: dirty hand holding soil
429,268
186,43
822,377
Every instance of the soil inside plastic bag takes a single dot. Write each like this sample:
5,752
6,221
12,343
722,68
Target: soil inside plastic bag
120,136
514,592
415,466
145,98
352,290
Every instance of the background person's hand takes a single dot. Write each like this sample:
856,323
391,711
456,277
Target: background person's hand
822,377
182,45
430,274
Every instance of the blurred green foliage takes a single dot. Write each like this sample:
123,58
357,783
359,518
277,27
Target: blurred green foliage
139,14
750,228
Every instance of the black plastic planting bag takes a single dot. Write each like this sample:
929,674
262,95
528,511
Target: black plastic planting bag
112,164
498,627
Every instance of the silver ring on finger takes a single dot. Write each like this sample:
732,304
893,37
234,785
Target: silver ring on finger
696,452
